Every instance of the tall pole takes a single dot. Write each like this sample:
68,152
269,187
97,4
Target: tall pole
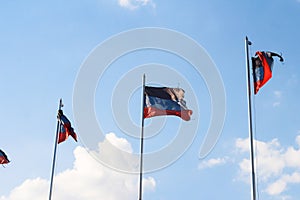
54,153
142,142
253,185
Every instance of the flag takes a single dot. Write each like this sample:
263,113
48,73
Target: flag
3,158
165,101
65,128
262,68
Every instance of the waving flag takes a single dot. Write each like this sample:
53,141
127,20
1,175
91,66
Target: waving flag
165,101
262,68
3,158
65,128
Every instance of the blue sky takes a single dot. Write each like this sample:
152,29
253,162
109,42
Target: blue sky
43,46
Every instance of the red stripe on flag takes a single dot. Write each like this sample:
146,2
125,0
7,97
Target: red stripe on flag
3,160
152,111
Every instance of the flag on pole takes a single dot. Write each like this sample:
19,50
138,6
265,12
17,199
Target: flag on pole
3,158
165,101
262,68
65,128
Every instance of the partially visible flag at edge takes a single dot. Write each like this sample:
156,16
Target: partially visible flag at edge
165,101
3,158
66,128
262,68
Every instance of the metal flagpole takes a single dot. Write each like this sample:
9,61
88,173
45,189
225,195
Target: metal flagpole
54,153
253,186
142,142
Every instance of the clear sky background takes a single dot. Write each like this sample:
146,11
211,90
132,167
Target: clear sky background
43,45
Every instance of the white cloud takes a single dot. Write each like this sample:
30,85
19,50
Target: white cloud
242,145
276,167
121,143
276,104
29,189
149,183
298,139
278,96
293,80
276,188
211,163
292,157
280,185
135,4
88,179
269,161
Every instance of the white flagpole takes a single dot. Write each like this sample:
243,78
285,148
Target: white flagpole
54,153
142,142
253,185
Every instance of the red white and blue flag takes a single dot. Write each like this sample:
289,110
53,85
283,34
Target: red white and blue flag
3,158
262,68
65,128
165,101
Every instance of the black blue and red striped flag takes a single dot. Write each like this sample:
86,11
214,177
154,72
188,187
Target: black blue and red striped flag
262,68
66,128
165,101
3,158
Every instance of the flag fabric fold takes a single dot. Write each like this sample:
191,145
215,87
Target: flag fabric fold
3,158
165,101
66,128
262,66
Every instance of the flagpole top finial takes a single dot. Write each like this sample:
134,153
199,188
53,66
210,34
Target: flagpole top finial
60,103
248,42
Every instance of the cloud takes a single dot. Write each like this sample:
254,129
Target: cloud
268,158
298,139
276,166
135,4
121,143
276,188
276,104
280,185
278,96
88,179
212,163
29,189
293,80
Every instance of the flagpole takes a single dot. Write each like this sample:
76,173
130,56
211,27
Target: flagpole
142,142
253,185
54,153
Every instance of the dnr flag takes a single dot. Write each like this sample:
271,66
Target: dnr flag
3,158
165,101
262,66
65,128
